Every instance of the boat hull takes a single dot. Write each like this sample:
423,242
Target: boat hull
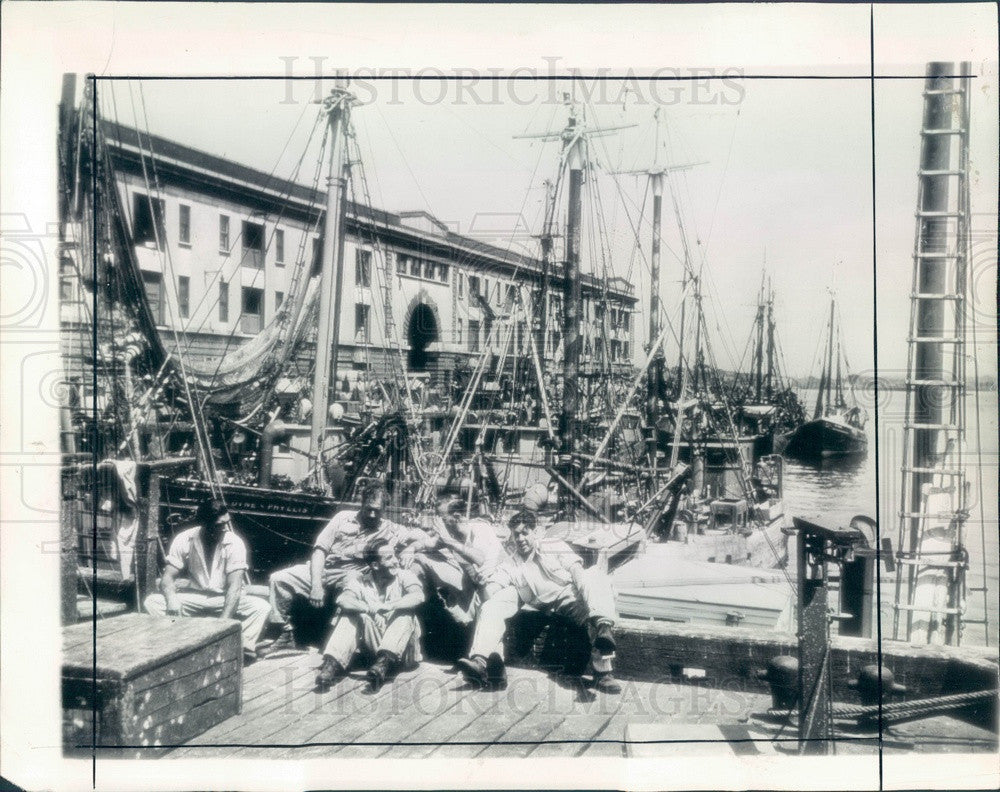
823,438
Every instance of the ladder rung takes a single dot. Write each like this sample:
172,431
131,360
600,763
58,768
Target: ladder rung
936,340
923,213
955,611
936,471
935,255
932,296
942,383
929,515
943,91
923,563
940,172
958,131
945,427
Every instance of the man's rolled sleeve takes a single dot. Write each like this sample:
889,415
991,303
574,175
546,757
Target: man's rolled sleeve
180,549
236,556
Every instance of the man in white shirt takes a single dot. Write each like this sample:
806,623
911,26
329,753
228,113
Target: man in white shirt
338,553
547,575
462,560
204,575
376,617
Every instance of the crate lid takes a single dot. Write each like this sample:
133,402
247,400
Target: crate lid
133,643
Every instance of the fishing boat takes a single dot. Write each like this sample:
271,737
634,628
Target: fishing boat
837,429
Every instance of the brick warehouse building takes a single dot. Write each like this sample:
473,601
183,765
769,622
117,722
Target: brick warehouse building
217,244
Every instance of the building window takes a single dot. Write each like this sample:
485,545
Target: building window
223,301
473,290
147,221
253,245
252,318
442,273
279,300
363,268
460,280
511,294
183,296
520,337
458,332
430,270
473,335
361,313
184,224
401,263
279,247
153,284
223,234
415,267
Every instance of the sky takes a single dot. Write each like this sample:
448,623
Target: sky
784,183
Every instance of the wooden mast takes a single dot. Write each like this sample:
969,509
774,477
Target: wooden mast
569,426
770,342
824,377
337,107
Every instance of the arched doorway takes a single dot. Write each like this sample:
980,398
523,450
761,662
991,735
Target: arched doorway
421,332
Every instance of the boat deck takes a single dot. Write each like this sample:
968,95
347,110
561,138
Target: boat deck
430,711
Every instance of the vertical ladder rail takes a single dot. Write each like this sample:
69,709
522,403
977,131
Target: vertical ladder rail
933,491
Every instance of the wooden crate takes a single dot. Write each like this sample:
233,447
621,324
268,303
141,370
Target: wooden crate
158,682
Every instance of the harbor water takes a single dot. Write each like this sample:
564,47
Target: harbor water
832,492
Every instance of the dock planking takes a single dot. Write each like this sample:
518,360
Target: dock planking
430,712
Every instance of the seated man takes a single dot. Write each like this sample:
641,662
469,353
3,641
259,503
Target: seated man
375,615
547,575
213,560
337,553
463,560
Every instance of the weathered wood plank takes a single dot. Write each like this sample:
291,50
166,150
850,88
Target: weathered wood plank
148,704
388,704
429,697
455,724
304,717
140,643
266,693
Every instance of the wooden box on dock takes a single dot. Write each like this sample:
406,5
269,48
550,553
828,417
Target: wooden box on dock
158,682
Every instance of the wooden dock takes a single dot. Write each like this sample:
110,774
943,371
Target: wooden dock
430,711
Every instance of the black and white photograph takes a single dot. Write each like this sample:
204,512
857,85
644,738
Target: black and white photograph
621,393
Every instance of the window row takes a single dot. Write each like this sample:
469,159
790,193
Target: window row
251,317
416,267
149,229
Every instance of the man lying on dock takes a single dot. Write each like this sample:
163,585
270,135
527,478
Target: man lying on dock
212,559
338,553
548,575
462,560
375,616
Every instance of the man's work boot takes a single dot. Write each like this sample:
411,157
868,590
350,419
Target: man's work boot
285,642
380,670
605,682
330,672
496,673
604,639
474,670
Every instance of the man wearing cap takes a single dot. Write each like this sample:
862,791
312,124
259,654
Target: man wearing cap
462,560
338,553
204,575
547,575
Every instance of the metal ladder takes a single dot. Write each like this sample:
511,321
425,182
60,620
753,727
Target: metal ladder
923,480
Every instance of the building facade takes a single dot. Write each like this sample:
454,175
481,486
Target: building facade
222,247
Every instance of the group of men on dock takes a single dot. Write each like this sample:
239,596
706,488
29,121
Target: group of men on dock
379,573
